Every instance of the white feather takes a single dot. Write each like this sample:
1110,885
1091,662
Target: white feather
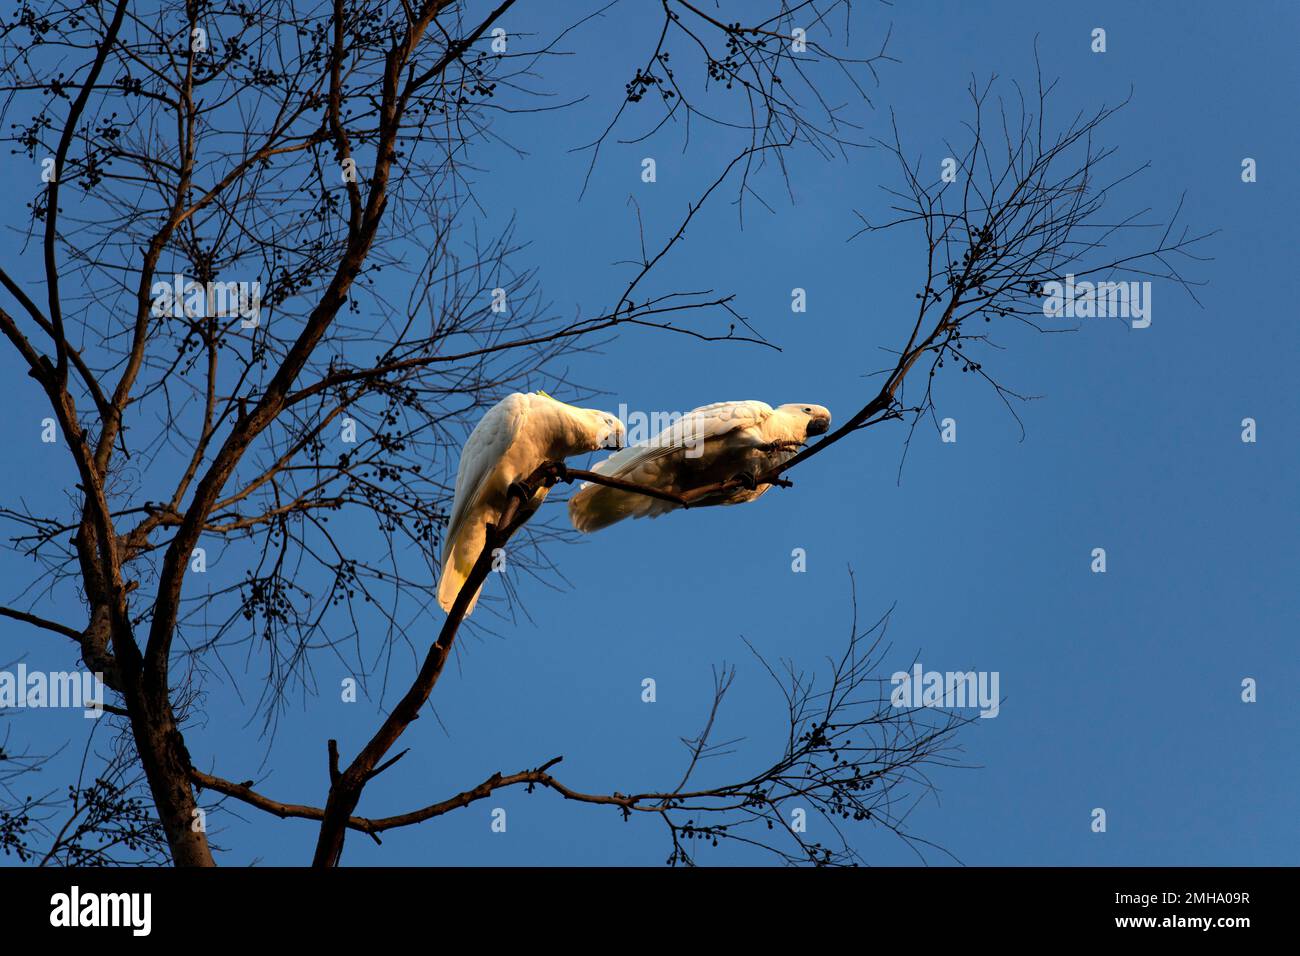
508,444
707,445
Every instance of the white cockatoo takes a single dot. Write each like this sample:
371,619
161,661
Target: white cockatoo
710,444
513,438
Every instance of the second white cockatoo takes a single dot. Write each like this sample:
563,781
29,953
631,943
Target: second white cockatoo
711,444
514,437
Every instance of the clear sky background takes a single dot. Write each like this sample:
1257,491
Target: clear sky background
1122,690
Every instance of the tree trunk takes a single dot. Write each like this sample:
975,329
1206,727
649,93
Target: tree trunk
166,764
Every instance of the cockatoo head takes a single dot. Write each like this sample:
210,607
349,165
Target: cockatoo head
818,417
594,428
608,430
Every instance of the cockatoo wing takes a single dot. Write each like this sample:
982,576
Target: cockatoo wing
722,428
690,431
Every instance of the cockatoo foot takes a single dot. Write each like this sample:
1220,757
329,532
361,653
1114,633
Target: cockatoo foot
520,490
558,472
746,479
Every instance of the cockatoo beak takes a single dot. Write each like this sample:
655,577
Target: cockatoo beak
819,426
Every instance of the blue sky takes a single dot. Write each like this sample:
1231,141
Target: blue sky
1122,690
